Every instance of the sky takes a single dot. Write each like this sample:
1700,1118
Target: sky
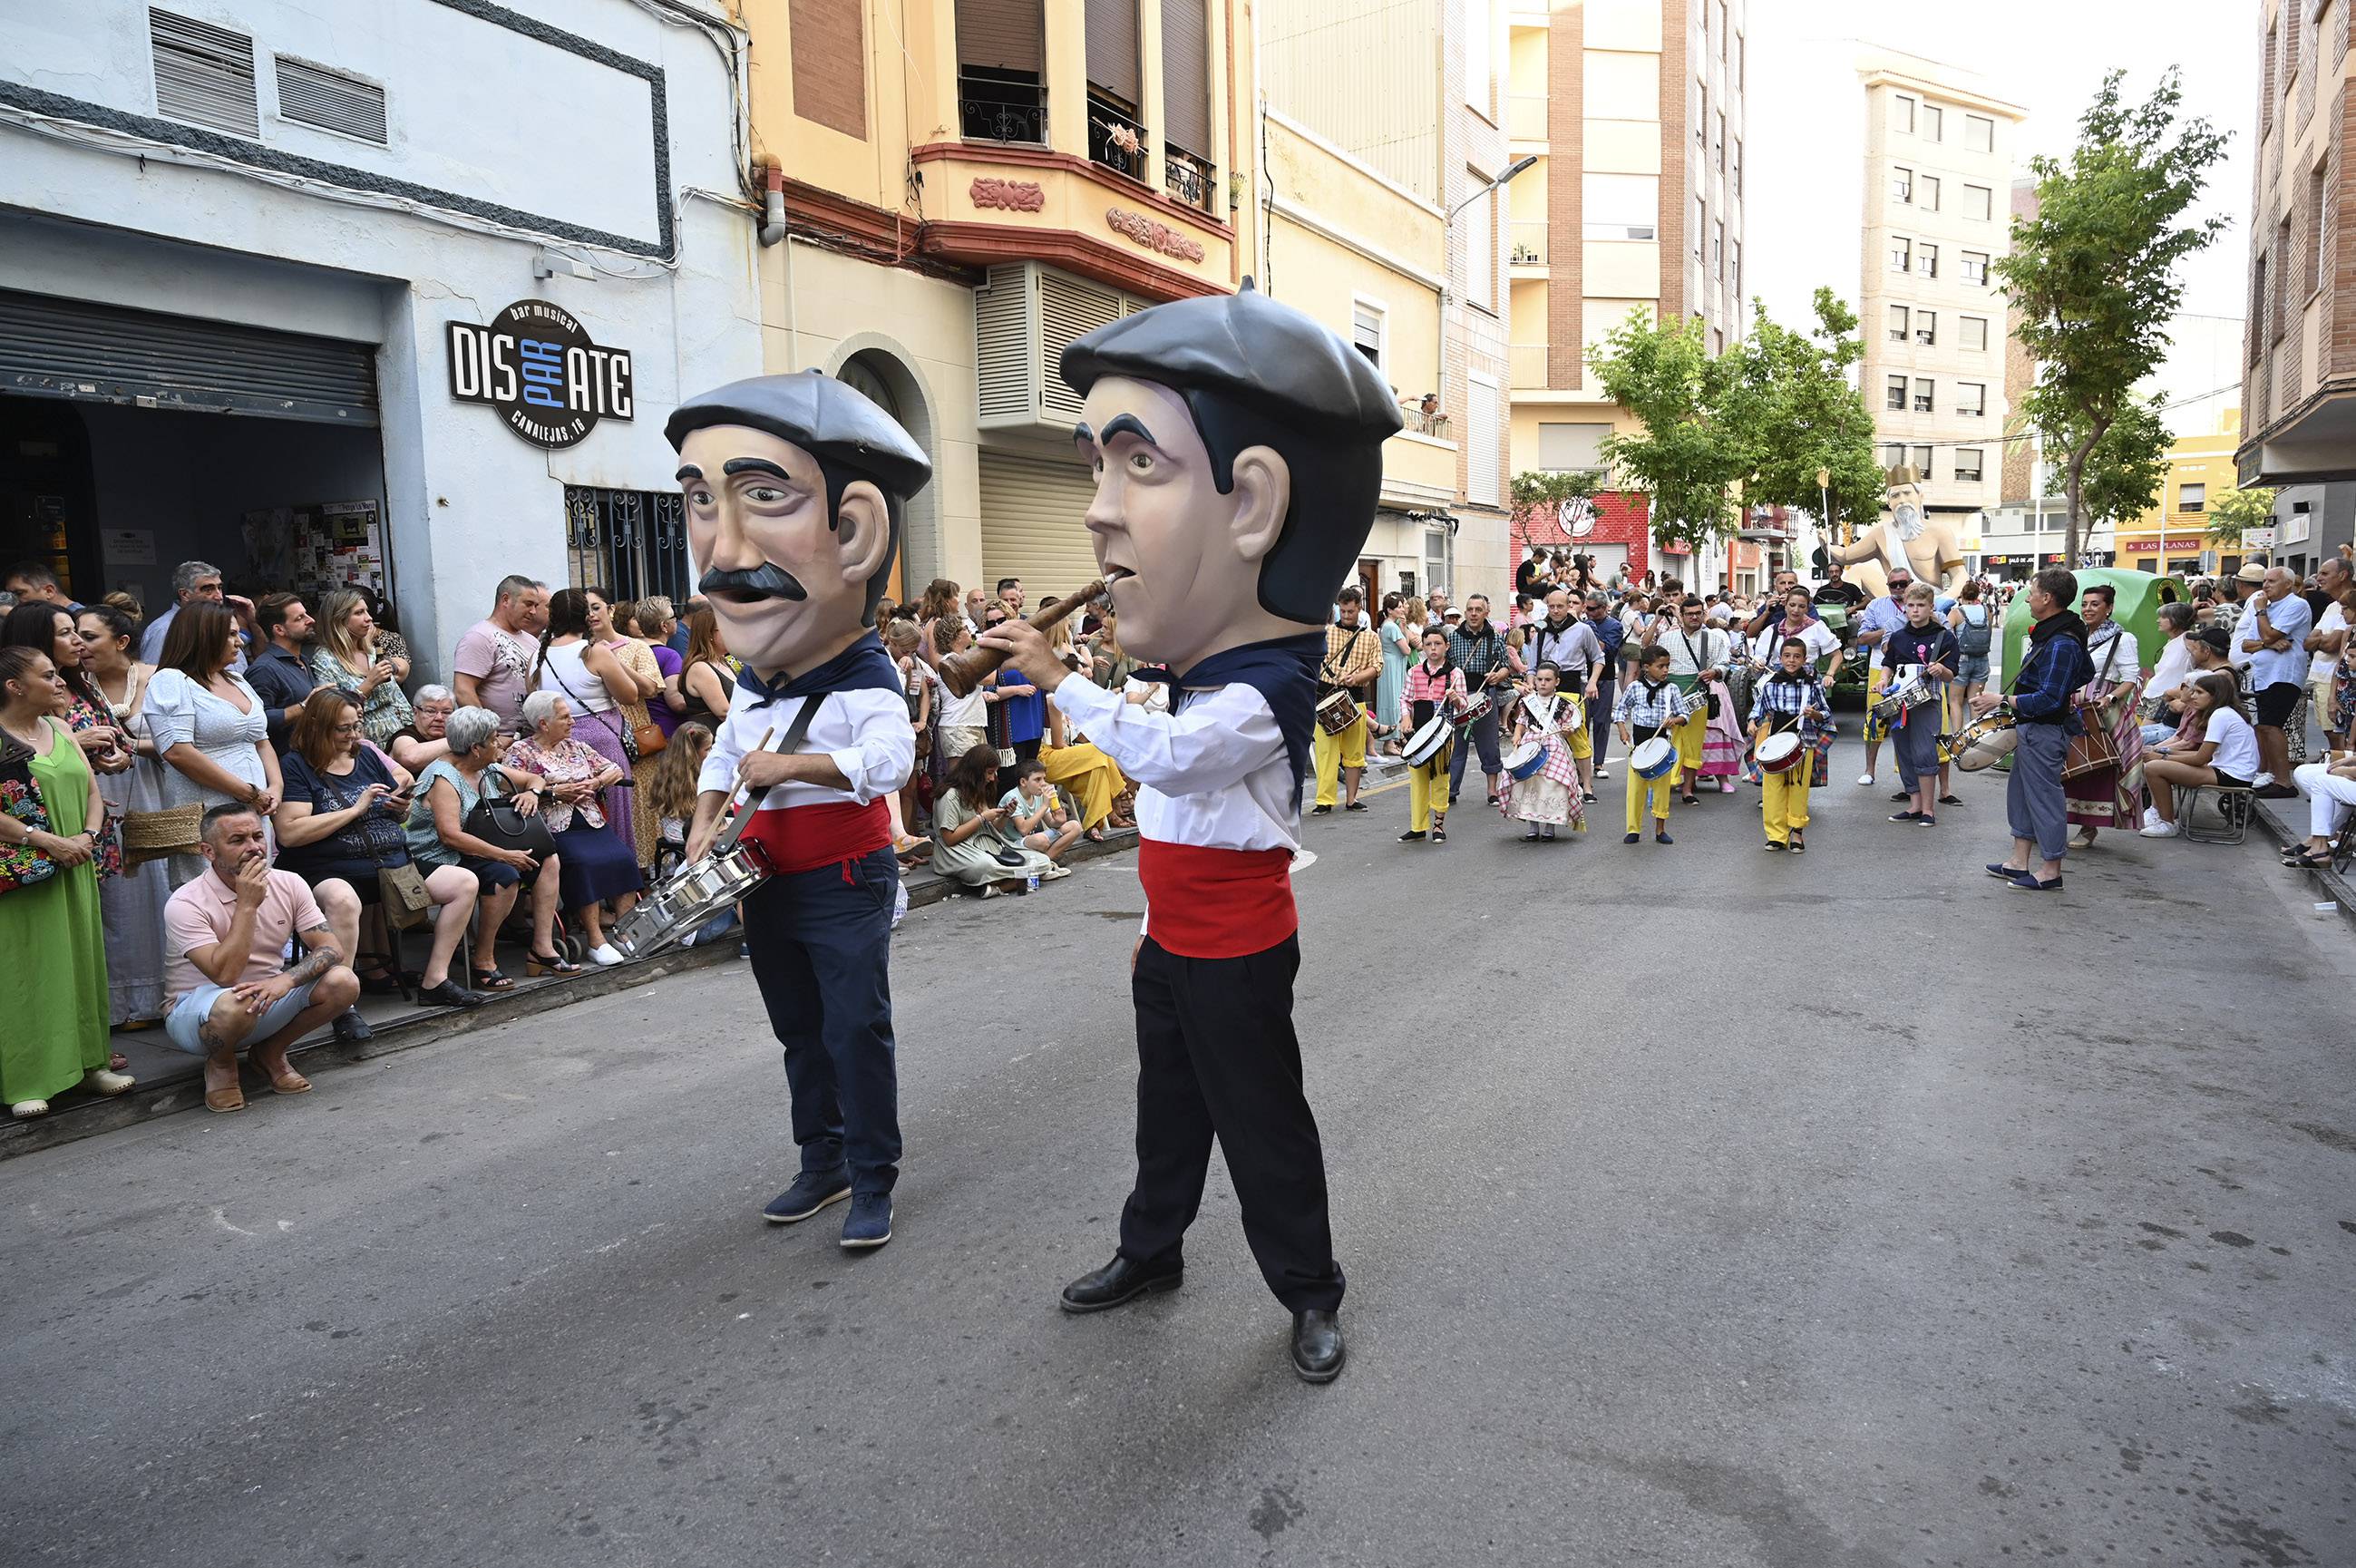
1805,150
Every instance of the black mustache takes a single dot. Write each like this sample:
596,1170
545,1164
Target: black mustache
765,581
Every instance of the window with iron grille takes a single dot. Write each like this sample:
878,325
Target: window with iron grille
631,544
204,74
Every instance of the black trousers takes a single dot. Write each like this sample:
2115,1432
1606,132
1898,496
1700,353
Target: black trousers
821,948
1216,1056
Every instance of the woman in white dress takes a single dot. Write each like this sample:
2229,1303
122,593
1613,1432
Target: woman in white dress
207,725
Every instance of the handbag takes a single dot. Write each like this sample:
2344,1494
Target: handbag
22,866
644,740
495,821
626,733
152,835
402,891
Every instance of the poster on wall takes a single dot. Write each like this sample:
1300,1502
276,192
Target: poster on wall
310,550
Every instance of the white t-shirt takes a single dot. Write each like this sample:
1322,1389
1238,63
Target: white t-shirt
2326,665
2237,743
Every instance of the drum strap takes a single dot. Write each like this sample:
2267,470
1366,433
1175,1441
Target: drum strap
796,729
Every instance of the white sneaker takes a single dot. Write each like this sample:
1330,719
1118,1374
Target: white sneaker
2151,817
1603,773
2262,780
1864,778
2160,830
604,955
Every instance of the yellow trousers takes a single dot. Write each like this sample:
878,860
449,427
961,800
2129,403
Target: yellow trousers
1649,795
1425,785
1334,752
1689,736
1787,800
1093,779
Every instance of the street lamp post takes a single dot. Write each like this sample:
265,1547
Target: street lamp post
1519,166
1825,501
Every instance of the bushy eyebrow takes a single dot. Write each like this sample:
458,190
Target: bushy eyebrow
1129,424
735,465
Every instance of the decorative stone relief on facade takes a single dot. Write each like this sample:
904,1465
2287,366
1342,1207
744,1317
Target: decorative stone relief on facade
1010,195
1152,236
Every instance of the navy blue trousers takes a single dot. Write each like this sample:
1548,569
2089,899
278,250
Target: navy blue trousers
1217,1056
820,944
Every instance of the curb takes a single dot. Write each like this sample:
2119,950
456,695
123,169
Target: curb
2287,833
88,1116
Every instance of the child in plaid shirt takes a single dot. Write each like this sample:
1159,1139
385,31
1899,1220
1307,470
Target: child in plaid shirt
1792,698
1649,707
1433,685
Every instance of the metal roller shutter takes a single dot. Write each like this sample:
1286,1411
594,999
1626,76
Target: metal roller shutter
1034,525
1005,35
100,353
1112,50
1186,75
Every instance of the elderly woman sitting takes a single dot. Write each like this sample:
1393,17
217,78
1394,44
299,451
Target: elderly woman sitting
446,791
599,865
340,821
424,741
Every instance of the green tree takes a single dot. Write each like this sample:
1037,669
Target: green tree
2093,273
2234,511
1809,418
2124,471
1697,412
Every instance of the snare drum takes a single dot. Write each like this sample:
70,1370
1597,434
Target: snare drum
1982,742
1781,752
1527,760
1477,706
1911,692
1337,713
1653,758
1429,741
693,894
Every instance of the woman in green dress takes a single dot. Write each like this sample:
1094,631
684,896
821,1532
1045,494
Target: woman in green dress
53,985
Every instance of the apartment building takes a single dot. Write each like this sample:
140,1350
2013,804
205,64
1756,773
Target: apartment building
959,189
1353,232
1938,201
1635,112
2298,402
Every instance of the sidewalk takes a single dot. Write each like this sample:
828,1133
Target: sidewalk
2289,827
172,1081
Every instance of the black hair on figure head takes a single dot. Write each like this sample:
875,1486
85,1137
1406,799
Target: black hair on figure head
1256,373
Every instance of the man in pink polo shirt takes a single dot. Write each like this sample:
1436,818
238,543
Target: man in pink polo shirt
223,937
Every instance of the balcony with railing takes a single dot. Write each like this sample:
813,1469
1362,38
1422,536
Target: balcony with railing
1007,106
1191,181
1528,237
1527,363
1114,138
1422,421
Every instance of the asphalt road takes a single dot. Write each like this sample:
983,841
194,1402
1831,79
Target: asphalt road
1701,1207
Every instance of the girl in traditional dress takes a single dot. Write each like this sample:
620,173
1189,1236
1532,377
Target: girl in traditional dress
1551,797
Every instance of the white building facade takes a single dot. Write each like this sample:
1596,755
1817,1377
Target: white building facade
397,295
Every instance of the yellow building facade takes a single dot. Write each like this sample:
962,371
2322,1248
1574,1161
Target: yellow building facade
2169,539
959,189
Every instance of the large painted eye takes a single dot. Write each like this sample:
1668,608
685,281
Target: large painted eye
1140,462
699,496
765,494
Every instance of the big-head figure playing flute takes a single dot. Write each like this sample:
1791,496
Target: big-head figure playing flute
794,488
1238,452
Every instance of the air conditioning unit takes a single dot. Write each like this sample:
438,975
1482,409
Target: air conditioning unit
1025,314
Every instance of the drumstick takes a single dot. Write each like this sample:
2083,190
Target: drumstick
734,826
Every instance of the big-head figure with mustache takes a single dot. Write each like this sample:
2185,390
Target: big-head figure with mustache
794,487
1237,451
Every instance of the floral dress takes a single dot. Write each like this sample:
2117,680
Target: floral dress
182,711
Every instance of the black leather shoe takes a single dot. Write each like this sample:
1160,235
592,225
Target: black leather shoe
350,1027
1117,1281
1317,1345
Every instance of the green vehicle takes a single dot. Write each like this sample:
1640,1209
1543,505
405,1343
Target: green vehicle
2141,594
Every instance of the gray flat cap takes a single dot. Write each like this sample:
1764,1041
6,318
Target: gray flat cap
833,422
1247,347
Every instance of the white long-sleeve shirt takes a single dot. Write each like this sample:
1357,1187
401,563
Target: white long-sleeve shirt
1212,774
866,733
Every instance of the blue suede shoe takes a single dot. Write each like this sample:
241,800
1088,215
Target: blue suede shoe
869,1222
806,1197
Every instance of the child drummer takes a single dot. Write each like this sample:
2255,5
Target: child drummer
1651,706
1790,702
1550,796
1434,683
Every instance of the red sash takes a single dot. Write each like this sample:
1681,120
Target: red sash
803,838
1215,903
